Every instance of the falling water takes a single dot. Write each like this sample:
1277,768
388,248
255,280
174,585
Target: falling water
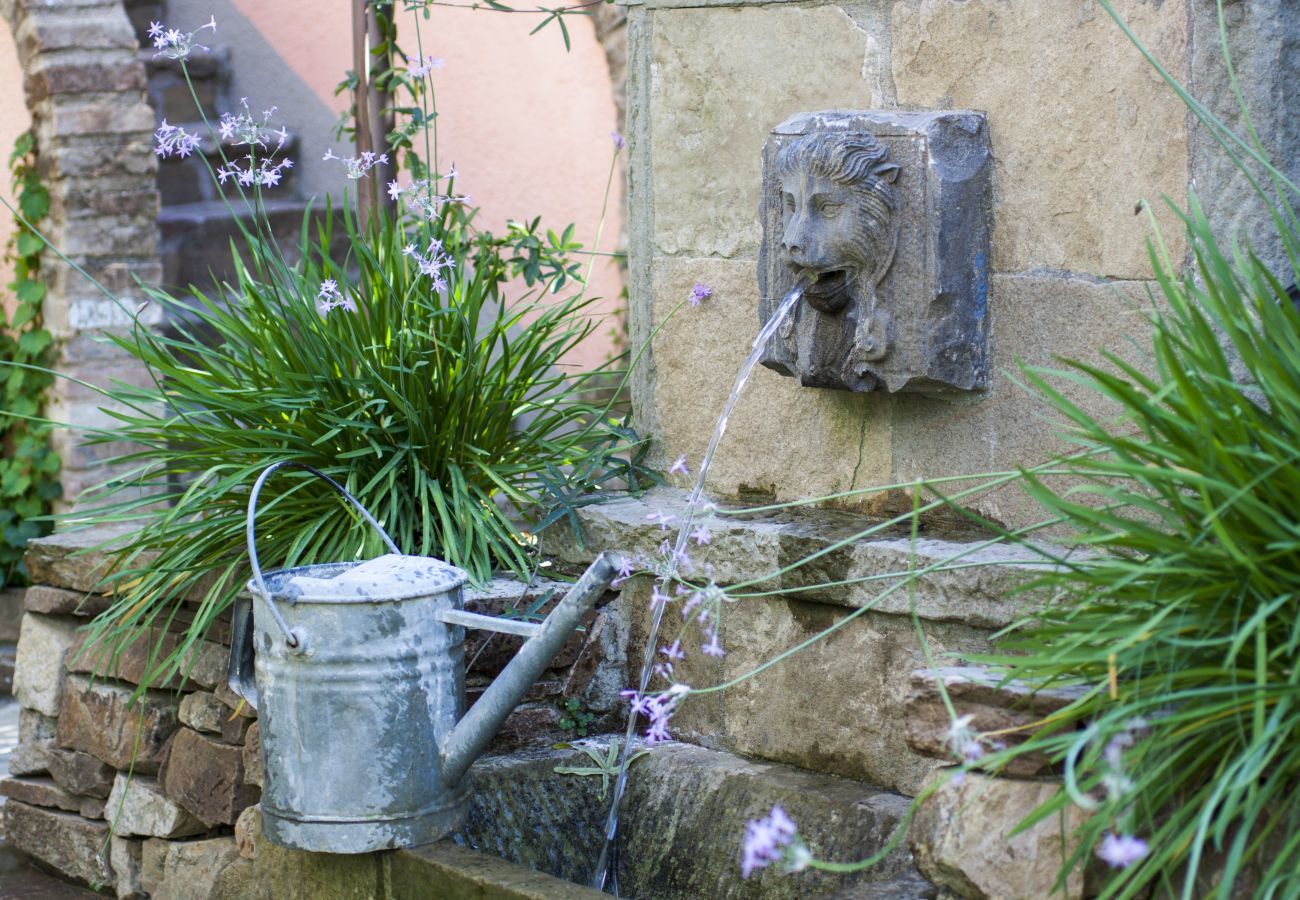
603,866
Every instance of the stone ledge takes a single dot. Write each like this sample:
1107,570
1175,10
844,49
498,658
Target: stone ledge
977,589
462,872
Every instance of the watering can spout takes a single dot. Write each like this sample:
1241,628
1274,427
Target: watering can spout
477,727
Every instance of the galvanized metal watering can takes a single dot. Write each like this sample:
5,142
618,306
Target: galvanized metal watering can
357,671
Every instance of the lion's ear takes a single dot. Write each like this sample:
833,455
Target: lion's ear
888,173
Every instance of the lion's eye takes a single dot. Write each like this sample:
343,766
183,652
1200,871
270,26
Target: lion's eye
829,208
789,203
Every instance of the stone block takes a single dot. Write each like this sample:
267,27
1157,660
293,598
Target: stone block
894,263
35,726
461,872
252,755
139,808
962,839
75,560
996,707
80,773
206,777
101,718
204,666
295,875
601,670
68,843
838,706
58,601
1102,108
233,701
42,648
719,78
203,712
30,757
234,728
190,870
782,441
125,856
89,30
491,652
248,831
39,792
91,808
67,77
11,614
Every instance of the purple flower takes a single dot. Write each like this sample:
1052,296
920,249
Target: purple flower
330,297
619,142
660,710
701,535
664,519
394,190
359,166
639,705
176,44
423,65
765,840
658,597
699,293
674,651
679,467
1121,851
174,141
625,569
713,648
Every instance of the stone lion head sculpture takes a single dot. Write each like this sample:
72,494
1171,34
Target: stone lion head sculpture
838,215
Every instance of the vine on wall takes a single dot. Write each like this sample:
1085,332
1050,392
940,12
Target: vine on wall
28,467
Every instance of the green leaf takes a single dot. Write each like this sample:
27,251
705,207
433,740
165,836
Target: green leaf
29,244
33,343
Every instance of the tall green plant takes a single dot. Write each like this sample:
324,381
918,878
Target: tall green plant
29,467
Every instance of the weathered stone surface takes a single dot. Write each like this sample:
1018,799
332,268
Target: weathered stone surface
248,831
80,773
233,701
125,856
896,281
960,581
139,808
521,810
600,671
75,560
202,711
463,873
962,840
234,728
1003,708
709,113
70,844
39,792
782,440
490,652
203,667
190,870
11,614
31,757
100,718
252,756
206,777
238,881
1102,108
295,875
35,726
153,853
42,648
91,808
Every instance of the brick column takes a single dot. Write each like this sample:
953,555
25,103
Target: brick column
85,88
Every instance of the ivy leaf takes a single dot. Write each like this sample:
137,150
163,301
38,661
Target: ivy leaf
29,244
34,342
31,293
34,203
25,144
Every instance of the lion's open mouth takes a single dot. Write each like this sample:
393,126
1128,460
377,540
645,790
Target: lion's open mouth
830,282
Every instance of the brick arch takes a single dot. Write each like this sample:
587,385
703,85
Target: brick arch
84,86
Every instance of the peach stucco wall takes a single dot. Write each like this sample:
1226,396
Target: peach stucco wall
526,123
14,120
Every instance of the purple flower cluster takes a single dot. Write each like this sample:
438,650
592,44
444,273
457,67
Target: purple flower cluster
1121,851
422,197
420,66
659,708
771,839
699,293
330,297
242,130
359,166
432,262
174,140
173,43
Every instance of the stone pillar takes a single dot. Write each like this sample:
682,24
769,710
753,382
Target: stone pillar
85,87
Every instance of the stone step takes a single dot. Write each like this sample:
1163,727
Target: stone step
683,822
968,581
189,179
169,95
194,238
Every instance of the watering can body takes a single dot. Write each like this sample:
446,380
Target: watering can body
357,671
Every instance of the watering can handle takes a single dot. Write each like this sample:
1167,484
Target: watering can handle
293,639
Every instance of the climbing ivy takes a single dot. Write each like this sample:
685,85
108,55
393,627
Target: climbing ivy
28,467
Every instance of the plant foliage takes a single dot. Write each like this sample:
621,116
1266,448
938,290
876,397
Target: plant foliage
29,468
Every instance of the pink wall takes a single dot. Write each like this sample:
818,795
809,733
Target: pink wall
526,124
14,120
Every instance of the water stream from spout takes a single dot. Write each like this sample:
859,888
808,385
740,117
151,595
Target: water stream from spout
605,864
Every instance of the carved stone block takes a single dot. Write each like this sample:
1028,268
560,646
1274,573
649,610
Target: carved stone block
883,219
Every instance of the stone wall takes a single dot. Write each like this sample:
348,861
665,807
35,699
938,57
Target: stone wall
152,793
1081,128
84,87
